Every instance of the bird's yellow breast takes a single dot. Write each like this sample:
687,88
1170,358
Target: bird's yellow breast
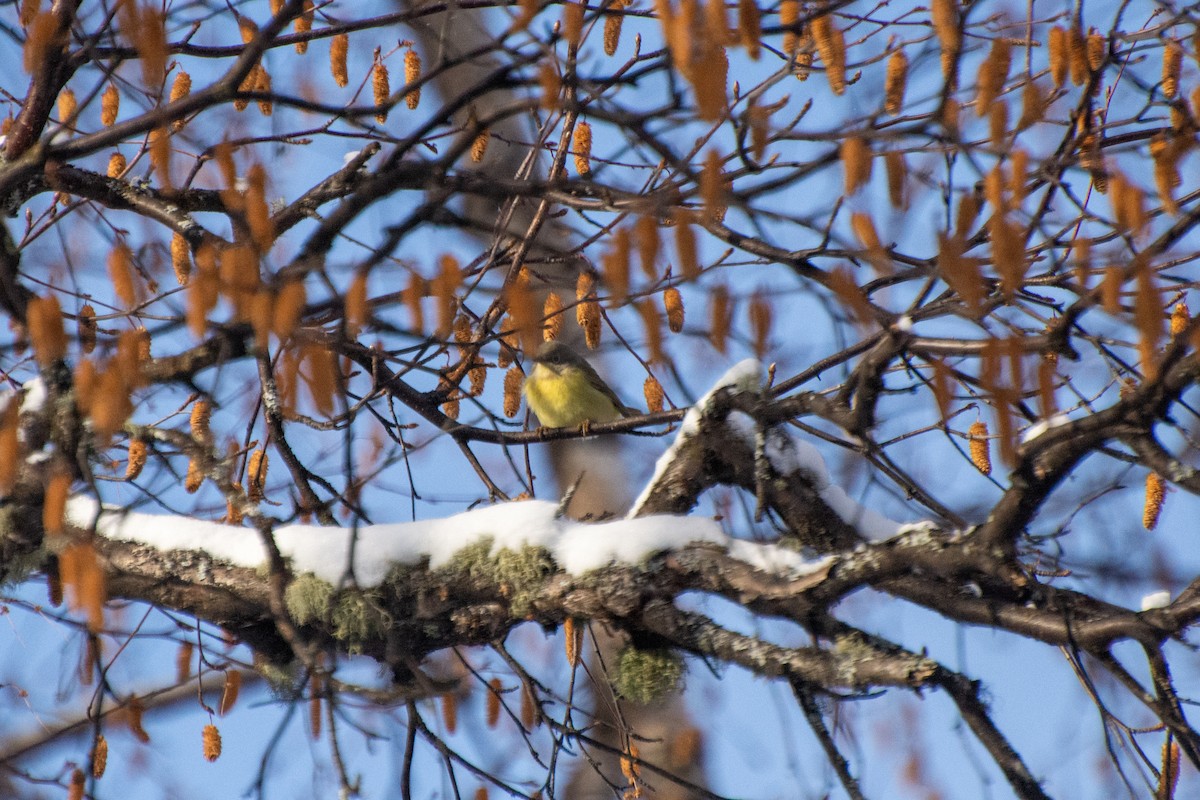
566,400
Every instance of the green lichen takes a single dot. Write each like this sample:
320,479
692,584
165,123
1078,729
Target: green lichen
474,559
357,618
519,573
308,598
644,676
353,616
283,679
20,565
523,571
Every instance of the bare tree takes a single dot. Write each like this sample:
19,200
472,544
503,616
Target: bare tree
962,236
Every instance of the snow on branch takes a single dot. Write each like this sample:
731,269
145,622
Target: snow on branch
786,455
576,547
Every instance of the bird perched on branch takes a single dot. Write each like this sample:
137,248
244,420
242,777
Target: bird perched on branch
564,391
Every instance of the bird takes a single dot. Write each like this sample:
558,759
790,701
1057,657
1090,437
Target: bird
565,392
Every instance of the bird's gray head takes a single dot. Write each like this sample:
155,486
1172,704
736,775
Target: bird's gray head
556,354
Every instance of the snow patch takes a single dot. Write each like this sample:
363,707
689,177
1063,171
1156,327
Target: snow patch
1038,428
35,396
577,547
1156,600
745,375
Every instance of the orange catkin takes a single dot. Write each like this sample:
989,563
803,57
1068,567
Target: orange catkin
339,49
160,154
587,312
1033,105
712,187
895,82
981,456
110,105
1077,57
832,47
493,702
1165,155
647,243
181,87
944,15
357,310
100,757
116,165
552,313
322,377
479,145
581,140
10,444
212,742
199,420
256,473
412,74
183,661
229,694
856,162
572,21
550,84
612,26
46,332
573,640
86,320
1180,316
262,85
1096,49
120,272
137,459
998,124
897,172
1168,776
750,28
673,302
289,308
54,503
513,379
303,24
993,73
382,89
720,317
1155,494
616,265
760,322
1057,55
77,785
1171,63
789,16
685,245
181,258
451,407
194,478
652,322
653,392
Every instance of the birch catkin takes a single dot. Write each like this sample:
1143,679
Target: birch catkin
612,26
412,74
381,87
1155,494
110,105
1172,62
895,82
832,47
981,455
582,140
339,49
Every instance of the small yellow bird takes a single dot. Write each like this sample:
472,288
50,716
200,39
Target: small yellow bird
564,391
